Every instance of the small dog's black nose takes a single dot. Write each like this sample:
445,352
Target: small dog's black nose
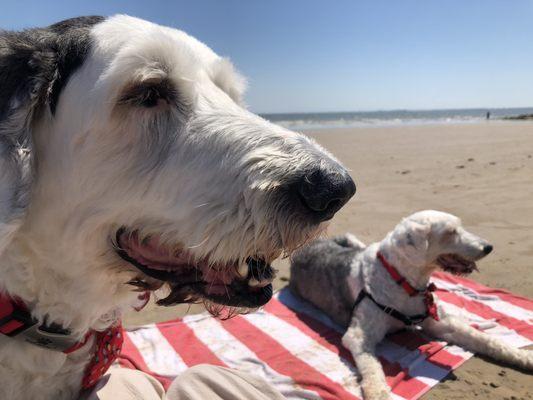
487,248
325,190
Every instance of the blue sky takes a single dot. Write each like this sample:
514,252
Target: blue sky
306,55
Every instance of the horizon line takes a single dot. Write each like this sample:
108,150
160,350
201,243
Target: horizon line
393,110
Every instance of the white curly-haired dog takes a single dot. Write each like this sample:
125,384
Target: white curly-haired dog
384,287
128,162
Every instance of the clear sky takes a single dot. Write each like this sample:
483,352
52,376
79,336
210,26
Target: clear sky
307,55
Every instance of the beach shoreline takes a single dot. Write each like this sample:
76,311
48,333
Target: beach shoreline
396,118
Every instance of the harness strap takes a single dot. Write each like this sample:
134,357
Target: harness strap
406,319
360,298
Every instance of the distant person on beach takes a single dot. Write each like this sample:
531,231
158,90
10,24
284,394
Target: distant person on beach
488,115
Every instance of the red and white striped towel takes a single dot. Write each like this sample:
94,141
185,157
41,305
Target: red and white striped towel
298,349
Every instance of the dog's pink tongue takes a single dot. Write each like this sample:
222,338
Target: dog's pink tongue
150,251
217,280
213,276
153,254
216,289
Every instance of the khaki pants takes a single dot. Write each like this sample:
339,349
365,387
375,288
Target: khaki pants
202,382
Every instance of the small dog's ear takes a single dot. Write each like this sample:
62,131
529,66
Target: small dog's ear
418,237
414,242
34,66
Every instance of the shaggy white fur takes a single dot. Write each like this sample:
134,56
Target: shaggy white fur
421,243
149,133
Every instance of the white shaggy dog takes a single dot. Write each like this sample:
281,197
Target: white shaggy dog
384,287
127,161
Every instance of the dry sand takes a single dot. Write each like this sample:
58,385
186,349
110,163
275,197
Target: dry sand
482,173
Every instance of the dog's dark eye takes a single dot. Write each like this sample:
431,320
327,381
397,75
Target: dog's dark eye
151,98
451,232
149,94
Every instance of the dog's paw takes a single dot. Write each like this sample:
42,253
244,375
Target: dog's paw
376,393
526,360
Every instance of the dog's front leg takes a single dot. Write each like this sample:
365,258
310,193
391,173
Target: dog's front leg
454,330
366,330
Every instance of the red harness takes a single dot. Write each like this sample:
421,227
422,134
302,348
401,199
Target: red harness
427,292
17,322
108,346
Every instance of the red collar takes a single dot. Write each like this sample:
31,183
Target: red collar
17,322
427,292
398,278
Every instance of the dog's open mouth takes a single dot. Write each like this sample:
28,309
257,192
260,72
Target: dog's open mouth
246,284
456,264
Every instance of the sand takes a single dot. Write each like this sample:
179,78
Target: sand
481,172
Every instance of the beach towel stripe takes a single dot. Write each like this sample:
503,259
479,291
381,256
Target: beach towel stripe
299,350
184,342
436,352
301,371
398,374
318,331
504,295
490,327
487,313
130,357
157,353
331,340
237,355
492,301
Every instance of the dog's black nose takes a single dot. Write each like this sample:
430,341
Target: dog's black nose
325,190
487,248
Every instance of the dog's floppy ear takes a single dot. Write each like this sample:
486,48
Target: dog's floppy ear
413,241
34,66
25,72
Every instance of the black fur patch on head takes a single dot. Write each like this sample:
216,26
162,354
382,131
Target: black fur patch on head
72,46
35,64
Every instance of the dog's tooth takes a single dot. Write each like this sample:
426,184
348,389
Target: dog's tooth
253,282
242,270
257,284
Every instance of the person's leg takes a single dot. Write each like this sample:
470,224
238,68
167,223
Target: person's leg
126,384
217,383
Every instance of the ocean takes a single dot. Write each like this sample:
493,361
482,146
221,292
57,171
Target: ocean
307,121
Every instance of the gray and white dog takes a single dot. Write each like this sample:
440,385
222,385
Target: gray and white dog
384,287
128,162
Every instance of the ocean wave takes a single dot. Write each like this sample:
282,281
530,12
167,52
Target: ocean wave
309,121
